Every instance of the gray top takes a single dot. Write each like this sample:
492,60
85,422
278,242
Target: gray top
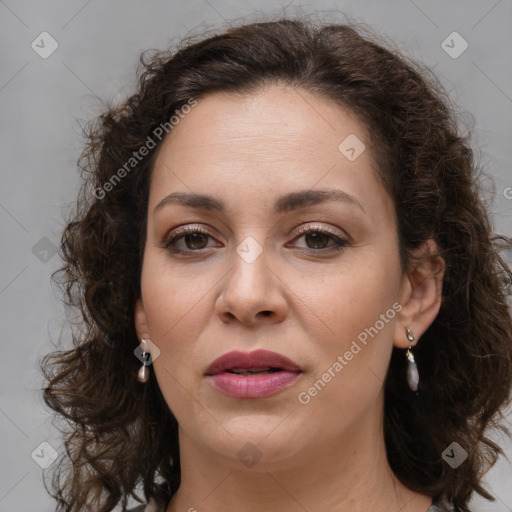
437,506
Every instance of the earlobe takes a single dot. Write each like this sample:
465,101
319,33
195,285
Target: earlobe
421,295
141,327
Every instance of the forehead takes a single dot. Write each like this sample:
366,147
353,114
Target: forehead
279,138
272,119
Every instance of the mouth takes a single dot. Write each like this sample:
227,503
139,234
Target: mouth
256,374
258,361
253,371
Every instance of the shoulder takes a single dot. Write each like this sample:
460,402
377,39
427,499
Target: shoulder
152,506
440,505
437,506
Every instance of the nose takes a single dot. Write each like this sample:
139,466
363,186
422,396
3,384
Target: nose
252,293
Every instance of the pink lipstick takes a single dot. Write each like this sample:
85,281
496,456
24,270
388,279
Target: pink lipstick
256,374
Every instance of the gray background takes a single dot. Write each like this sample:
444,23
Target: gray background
44,102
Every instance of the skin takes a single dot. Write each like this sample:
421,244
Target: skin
305,301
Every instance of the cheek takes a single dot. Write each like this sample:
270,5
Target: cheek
350,300
174,298
176,315
177,305
355,317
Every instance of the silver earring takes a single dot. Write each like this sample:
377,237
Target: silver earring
143,373
413,377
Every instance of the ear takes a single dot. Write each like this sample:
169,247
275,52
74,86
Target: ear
141,326
420,294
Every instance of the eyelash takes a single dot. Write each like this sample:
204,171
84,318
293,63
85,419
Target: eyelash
178,234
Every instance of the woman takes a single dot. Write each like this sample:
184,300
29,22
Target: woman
291,293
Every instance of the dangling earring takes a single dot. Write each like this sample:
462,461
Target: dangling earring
143,374
413,377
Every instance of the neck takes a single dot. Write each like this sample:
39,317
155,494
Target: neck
351,474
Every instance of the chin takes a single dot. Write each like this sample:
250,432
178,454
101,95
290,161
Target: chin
258,442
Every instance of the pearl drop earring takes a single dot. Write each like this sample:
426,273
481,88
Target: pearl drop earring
143,373
413,377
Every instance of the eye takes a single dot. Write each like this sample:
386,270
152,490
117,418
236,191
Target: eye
192,240
317,239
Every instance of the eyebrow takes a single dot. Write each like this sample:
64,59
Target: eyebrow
287,203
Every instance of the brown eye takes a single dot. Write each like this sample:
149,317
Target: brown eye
195,240
187,240
192,240
317,239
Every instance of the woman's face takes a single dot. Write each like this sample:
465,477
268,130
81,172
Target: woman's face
297,254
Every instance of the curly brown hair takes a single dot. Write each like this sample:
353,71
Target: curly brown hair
119,434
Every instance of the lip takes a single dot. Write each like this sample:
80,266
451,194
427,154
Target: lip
255,385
